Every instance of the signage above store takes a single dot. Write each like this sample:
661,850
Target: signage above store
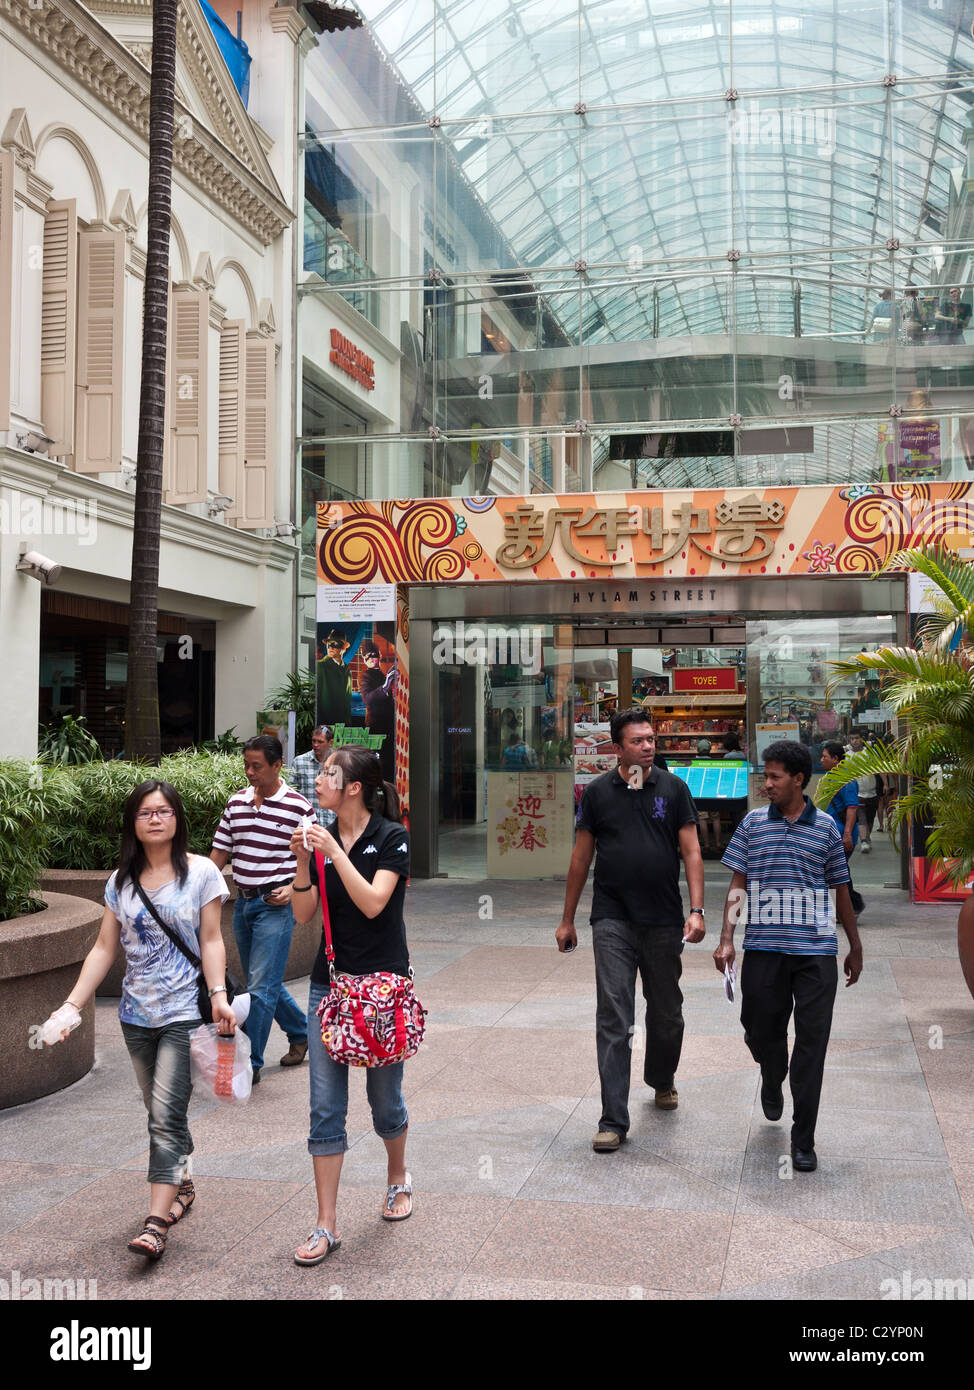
352,360
681,540
705,678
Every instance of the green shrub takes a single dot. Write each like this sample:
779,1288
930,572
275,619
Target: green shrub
71,741
89,836
34,798
205,782
298,692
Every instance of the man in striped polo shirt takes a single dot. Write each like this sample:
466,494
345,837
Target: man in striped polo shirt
784,858
255,830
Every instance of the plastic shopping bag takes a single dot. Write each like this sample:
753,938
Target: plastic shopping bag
220,1065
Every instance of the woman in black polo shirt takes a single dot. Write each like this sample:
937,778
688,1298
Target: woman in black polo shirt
366,868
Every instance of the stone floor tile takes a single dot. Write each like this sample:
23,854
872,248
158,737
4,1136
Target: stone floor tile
919,1191
630,1177
681,1251
760,1250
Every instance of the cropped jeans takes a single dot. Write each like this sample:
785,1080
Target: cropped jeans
160,1057
263,934
329,1092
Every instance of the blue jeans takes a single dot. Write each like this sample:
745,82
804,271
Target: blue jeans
263,937
161,1060
329,1092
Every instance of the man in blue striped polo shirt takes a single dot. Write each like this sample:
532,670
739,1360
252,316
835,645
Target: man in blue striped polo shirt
784,858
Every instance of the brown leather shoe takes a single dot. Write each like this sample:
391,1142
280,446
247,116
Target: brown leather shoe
295,1055
667,1100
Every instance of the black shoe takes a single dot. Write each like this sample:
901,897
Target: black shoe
803,1160
772,1100
254,1075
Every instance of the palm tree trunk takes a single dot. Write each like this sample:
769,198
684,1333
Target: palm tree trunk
142,704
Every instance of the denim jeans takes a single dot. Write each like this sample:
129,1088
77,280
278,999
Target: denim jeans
620,950
329,1092
161,1060
263,937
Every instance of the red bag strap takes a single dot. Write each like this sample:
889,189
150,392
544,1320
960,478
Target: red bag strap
325,917
371,1041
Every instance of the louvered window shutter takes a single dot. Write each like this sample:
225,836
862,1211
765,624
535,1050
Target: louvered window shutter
101,285
258,460
59,324
189,327
232,350
6,280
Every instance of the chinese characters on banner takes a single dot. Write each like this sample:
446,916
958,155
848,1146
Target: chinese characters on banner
530,821
741,529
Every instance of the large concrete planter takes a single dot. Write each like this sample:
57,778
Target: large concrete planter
40,957
90,884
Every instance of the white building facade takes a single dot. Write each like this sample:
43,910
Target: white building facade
74,101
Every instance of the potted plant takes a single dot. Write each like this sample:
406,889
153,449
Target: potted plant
931,689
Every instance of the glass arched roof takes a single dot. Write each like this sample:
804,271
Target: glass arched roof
809,174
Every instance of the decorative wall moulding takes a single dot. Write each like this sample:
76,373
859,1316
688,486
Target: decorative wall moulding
17,138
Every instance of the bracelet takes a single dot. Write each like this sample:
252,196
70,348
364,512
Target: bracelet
72,1003
220,989
306,889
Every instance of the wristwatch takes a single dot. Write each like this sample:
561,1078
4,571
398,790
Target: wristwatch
697,912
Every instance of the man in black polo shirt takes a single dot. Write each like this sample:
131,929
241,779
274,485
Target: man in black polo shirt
641,820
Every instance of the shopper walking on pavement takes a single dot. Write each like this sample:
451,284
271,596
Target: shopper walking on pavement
638,821
159,1008
784,858
366,865
256,830
844,810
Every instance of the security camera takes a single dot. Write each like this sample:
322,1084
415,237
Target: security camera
218,502
39,567
34,442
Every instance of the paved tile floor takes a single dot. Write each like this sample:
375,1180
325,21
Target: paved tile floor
511,1202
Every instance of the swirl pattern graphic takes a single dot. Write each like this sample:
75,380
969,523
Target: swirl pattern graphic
367,545
473,550
479,504
857,559
882,522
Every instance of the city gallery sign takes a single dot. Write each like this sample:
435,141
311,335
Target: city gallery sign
639,534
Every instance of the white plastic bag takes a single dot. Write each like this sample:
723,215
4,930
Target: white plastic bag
220,1064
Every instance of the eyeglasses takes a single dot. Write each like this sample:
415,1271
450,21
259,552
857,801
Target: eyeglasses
163,813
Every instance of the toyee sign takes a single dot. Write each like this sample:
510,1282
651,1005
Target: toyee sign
705,679
352,360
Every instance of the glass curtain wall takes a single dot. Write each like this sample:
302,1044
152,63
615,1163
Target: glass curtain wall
613,239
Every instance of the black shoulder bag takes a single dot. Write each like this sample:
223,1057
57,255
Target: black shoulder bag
234,986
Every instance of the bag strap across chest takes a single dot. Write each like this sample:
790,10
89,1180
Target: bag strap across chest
180,946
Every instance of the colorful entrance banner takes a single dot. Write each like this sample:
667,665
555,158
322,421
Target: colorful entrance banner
774,531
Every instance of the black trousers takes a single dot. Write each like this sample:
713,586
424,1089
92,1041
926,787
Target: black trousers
772,984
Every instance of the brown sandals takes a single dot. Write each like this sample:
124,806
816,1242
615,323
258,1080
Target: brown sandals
183,1199
151,1241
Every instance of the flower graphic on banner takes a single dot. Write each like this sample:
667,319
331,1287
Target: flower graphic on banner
859,490
820,558
461,523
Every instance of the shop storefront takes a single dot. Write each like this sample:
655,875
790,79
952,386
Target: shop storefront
522,623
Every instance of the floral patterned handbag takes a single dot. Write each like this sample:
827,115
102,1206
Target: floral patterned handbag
367,1020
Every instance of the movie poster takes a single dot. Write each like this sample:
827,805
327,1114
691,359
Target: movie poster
355,675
